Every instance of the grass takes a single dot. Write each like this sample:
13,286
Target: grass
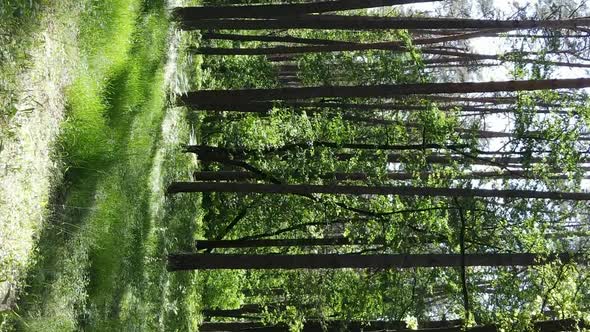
100,263
18,22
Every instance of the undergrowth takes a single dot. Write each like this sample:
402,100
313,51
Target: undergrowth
101,260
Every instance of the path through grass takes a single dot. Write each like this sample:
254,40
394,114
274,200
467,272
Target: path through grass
100,258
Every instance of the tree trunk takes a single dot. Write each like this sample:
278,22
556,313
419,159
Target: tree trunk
384,91
358,326
476,175
329,241
279,10
465,133
309,326
243,153
560,325
265,106
378,23
350,326
396,46
359,176
219,154
240,312
230,187
189,261
500,161
465,58
272,39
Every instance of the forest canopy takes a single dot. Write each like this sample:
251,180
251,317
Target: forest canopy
365,167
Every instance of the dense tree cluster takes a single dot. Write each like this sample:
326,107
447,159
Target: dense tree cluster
354,180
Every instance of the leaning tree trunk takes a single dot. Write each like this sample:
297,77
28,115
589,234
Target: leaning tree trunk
400,176
229,153
309,326
223,155
266,106
225,97
352,326
378,23
466,58
272,39
231,187
279,10
307,242
395,46
190,261
244,310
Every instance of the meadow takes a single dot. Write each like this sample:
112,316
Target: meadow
98,238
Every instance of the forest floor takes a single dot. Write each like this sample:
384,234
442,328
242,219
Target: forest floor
89,141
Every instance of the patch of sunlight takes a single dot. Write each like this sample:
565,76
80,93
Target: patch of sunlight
27,168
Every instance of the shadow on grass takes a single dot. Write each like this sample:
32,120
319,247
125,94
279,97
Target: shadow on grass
101,262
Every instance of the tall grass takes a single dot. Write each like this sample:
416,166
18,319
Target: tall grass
100,264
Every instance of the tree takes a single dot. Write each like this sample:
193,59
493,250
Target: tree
281,10
379,23
328,241
179,262
178,187
396,46
385,91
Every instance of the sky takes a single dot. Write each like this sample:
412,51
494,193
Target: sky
492,45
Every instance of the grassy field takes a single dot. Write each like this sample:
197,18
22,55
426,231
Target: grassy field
98,263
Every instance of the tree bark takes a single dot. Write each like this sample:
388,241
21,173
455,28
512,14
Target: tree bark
396,46
243,153
265,106
359,176
329,241
465,58
281,10
178,187
189,261
211,153
240,312
225,97
309,326
378,23
272,39
423,326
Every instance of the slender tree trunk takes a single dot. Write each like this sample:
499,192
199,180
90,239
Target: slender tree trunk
466,58
483,100
378,23
178,187
396,46
465,133
352,326
272,39
328,241
385,90
263,107
281,58
560,325
309,326
359,176
279,10
179,262
424,326
198,149
240,312
476,175
219,154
